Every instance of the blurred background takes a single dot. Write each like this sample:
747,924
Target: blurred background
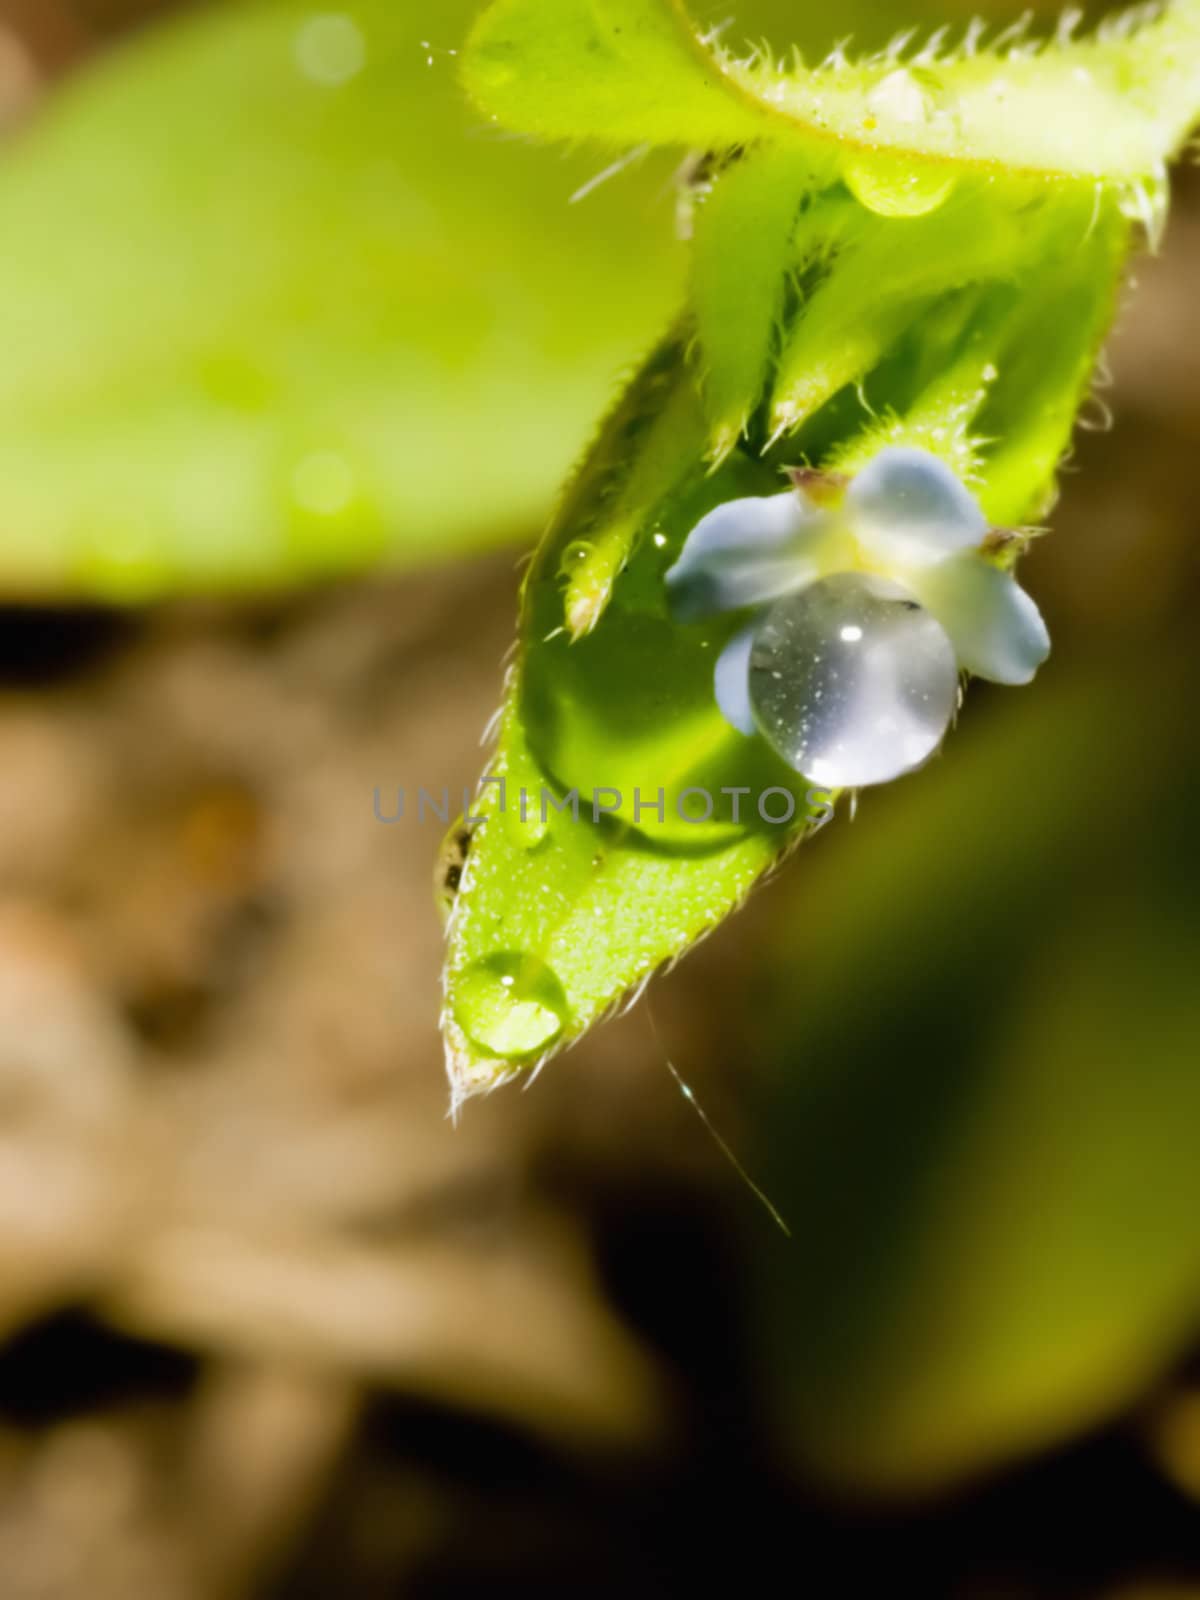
294,353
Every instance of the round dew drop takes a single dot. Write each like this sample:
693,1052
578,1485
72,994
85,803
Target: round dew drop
896,186
510,1004
893,189
851,681
903,97
573,557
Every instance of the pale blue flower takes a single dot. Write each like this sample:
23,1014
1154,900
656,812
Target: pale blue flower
866,611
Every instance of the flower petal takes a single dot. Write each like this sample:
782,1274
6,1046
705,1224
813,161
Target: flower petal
731,681
745,553
996,629
908,507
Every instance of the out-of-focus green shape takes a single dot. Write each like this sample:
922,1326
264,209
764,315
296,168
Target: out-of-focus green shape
981,1106
274,305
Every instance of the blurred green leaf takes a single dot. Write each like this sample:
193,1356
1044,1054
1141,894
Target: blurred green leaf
980,1096
274,305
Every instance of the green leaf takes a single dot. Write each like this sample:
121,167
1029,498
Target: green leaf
1112,107
555,914
650,442
581,889
611,700
841,298
742,262
886,276
272,308
998,398
582,69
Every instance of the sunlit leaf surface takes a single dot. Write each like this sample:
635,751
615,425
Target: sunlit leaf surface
1112,107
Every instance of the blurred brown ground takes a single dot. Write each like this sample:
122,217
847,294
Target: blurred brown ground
274,1327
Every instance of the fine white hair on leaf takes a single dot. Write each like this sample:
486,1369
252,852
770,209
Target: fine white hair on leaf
635,995
929,53
713,36
838,58
974,37
896,47
1014,34
759,57
532,1074
613,170
1095,415
491,727
1123,24
1067,26
1145,203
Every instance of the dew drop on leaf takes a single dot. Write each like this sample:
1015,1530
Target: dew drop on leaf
511,1004
851,681
573,557
903,96
524,820
898,189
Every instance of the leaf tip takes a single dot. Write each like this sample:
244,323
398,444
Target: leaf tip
723,443
469,1074
584,608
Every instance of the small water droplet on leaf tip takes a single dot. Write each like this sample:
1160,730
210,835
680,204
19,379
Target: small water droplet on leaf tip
510,1004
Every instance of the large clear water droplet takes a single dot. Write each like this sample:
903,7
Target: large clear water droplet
893,185
851,681
510,1004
